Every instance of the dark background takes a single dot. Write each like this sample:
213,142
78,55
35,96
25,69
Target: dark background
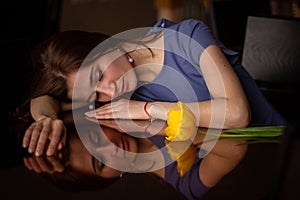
25,23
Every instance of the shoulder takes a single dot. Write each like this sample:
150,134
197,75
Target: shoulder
184,24
192,23
188,30
196,30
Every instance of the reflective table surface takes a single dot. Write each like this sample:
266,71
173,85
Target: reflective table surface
269,170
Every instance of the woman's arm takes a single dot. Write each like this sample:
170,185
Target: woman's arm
229,100
47,132
229,107
44,106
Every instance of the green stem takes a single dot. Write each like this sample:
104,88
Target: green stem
264,131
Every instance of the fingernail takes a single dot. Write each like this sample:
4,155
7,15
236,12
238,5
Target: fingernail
90,114
37,153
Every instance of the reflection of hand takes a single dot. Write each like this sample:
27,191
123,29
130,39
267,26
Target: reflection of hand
44,164
122,109
45,132
134,126
126,125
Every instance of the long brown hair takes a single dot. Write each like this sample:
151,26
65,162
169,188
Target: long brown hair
53,59
56,57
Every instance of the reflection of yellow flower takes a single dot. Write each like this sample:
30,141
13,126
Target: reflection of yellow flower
181,123
184,153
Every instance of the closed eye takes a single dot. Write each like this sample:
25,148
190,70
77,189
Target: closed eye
98,165
101,165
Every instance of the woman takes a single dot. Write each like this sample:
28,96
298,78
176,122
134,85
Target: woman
172,62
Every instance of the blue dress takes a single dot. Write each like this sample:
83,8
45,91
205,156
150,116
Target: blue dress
181,78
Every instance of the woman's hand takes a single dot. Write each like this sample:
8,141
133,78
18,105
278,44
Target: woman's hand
134,127
121,109
47,134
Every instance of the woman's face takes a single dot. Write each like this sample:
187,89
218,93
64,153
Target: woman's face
109,150
109,76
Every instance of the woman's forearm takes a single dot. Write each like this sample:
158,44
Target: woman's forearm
217,113
221,113
44,106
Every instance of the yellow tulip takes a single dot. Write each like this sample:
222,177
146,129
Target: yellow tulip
181,123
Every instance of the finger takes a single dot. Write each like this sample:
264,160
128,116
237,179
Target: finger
57,165
43,166
27,163
109,115
34,138
57,132
34,165
92,113
91,119
27,135
109,112
60,144
43,139
107,122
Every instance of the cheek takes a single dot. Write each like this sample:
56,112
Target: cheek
118,68
113,72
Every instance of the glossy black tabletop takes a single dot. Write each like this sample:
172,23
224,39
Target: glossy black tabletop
269,170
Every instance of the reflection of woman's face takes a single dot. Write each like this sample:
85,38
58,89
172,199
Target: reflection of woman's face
111,150
109,76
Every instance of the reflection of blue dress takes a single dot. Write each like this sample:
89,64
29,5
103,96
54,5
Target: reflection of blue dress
189,184
181,79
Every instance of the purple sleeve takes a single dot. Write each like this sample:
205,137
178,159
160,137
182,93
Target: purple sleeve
190,184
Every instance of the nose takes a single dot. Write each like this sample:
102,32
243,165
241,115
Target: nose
105,91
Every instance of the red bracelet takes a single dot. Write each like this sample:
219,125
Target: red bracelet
145,109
